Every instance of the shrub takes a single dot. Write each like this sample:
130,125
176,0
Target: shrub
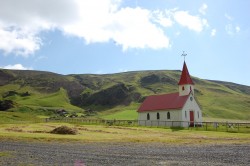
6,104
64,130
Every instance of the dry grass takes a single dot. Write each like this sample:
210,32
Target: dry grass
64,130
99,133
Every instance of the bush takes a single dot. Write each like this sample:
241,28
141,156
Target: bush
64,130
6,104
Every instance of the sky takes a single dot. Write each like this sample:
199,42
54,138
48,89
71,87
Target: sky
113,36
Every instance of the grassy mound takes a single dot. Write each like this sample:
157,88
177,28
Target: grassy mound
64,130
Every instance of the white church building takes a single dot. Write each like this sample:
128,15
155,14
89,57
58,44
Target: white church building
174,109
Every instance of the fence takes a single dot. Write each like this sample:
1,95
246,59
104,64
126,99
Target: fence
203,126
95,121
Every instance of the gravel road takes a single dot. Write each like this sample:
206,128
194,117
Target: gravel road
87,154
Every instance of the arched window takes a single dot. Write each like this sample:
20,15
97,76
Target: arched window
168,115
148,116
185,114
158,115
183,88
198,114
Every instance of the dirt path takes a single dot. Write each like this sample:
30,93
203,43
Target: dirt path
88,154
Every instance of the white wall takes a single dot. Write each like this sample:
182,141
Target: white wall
175,115
191,106
186,90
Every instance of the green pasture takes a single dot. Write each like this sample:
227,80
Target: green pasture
37,99
122,115
121,112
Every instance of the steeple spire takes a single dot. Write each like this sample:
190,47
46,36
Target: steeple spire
186,85
185,77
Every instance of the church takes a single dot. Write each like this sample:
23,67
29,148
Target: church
178,109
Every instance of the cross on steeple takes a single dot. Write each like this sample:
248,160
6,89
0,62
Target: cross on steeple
183,54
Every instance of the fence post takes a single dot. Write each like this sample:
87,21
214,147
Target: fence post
227,126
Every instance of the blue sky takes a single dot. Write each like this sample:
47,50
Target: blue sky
111,36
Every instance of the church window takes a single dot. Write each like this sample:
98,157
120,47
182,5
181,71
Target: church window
183,88
198,114
168,115
158,115
148,116
185,114
191,98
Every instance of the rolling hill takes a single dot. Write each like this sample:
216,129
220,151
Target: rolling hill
114,95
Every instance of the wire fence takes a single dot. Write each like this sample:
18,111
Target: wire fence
202,126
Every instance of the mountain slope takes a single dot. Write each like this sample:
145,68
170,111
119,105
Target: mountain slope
112,94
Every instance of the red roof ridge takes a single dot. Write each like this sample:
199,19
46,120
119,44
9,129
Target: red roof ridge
163,94
163,102
185,77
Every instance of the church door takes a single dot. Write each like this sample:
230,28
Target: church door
191,114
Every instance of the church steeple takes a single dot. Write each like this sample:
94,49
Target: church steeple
185,77
186,85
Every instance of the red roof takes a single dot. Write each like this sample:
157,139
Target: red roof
163,102
185,77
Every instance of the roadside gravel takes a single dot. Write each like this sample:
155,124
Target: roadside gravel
88,154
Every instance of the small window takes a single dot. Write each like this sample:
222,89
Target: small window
185,114
191,98
183,88
198,114
148,116
158,115
168,115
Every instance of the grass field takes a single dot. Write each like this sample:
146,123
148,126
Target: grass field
37,99
122,115
101,133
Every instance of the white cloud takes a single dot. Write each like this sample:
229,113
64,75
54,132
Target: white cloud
203,9
230,18
229,29
40,58
16,67
178,33
19,41
232,30
22,21
137,31
93,21
126,27
163,18
194,23
237,28
213,32
122,70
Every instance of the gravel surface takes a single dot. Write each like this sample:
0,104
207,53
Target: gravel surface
87,154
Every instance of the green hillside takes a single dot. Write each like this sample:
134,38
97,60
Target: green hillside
114,96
